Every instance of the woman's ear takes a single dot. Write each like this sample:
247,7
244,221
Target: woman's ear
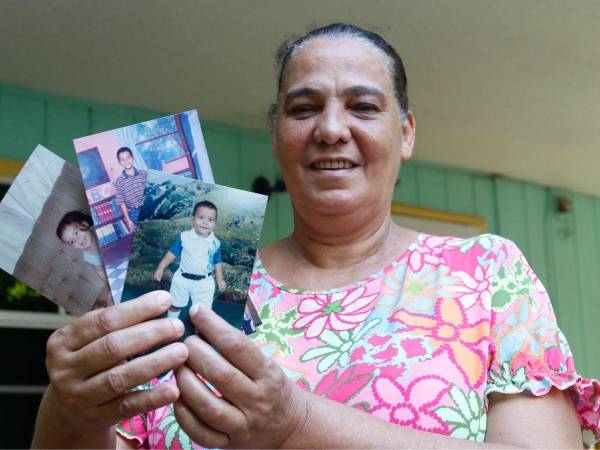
408,124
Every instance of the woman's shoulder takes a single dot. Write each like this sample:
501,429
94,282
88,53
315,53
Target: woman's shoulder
487,242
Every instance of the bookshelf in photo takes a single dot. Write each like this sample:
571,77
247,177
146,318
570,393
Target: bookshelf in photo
108,218
106,214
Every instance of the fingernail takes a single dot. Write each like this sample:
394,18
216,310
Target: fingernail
194,309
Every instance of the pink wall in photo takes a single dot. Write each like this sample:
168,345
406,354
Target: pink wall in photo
176,165
107,145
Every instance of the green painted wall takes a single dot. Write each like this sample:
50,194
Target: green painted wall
564,249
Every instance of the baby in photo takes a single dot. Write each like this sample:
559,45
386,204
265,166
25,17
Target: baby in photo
75,229
200,258
47,236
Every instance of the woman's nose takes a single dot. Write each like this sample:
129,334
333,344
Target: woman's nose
331,127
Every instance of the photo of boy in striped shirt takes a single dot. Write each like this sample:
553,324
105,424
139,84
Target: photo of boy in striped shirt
130,188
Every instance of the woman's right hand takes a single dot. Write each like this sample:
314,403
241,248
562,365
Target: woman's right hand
90,378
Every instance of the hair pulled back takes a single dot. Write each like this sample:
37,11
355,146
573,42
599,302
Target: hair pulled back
290,48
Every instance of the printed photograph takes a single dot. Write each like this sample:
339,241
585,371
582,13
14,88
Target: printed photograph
47,237
198,241
114,167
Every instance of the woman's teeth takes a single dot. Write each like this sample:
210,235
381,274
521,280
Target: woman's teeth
332,165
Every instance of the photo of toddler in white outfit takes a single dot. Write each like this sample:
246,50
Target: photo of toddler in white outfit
199,251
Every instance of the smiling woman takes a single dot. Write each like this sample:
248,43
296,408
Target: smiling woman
372,335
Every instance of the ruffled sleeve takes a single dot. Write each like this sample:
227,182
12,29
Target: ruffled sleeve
136,428
528,352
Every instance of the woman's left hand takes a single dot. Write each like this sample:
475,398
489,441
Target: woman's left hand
258,407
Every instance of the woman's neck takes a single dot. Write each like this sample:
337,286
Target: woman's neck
342,243
328,252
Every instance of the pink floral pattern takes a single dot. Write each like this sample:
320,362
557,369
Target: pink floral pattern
449,328
340,311
343,387
411,406
474,288
420,343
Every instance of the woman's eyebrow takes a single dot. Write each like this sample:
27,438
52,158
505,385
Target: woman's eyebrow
302,91
359,90
355,91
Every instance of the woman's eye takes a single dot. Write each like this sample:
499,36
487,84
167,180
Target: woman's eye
302,110
365,108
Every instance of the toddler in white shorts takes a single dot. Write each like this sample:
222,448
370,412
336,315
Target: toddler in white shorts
200,258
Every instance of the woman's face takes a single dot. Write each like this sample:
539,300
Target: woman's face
77,236
339,137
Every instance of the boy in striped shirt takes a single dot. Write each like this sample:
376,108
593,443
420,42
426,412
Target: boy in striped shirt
130,188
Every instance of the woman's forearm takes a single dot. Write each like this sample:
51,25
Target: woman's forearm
52,431
330,424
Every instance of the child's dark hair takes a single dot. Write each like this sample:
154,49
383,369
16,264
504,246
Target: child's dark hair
205,204
124,150
70,218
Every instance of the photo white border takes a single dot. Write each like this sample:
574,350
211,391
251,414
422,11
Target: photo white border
9,168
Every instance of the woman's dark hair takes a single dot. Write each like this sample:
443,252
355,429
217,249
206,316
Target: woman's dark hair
340,30
205,204
70,218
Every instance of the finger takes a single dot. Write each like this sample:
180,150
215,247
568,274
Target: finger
231,342
216,412
226,378
109,350
96,324
129,405
197,430
120,379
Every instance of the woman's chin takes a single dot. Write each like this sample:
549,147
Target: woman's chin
332,202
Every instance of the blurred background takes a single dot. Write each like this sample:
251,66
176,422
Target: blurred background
506,96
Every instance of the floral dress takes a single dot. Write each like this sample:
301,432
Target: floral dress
419,344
